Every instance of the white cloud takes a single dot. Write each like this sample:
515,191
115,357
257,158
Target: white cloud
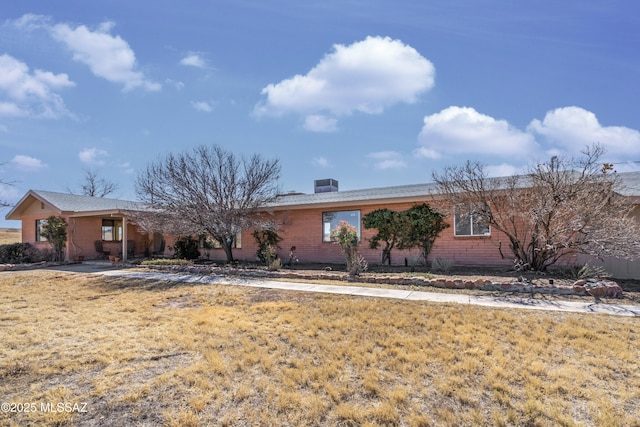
31,21
321,162
30,94
320,123
387,160
202,106
108,56
504,169
571,129
26,162
462,130
193,60
366,76
92,156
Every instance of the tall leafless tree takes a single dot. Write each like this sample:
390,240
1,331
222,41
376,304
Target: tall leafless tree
208,191
95,186
559,208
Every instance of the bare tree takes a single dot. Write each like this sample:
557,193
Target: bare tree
559,208
95,185
209,191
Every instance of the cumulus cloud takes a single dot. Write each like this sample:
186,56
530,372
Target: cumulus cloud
565,131
463,130
571,129
320,123
93,156
29,93
193,60
387,160
107,56
27,162
366,76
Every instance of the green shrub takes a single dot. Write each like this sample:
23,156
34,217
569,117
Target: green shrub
267,240
186,248
20,253
55,231
346,236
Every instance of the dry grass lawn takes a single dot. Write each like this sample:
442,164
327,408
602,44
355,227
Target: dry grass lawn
10,235
150,353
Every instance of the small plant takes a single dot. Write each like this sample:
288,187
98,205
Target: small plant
442,264
274,265
186,248
586,271
267,240
346,236
270,258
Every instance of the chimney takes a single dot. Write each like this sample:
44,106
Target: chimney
325,185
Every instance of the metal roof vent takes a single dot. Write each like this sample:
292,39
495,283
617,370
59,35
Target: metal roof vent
325,185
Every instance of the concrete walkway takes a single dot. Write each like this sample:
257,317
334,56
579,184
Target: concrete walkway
509,301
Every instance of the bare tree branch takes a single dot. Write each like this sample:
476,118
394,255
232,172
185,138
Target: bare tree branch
94,185
559,208
208,191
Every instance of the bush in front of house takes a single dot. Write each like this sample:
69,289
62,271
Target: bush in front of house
186,248
345,235
20,253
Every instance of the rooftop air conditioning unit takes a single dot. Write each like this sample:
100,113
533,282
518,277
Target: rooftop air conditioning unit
325,185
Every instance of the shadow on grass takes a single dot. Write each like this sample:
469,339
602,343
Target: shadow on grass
132,282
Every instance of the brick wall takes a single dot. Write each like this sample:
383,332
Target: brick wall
302,228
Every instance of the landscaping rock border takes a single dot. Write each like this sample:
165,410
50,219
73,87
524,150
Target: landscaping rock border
594,287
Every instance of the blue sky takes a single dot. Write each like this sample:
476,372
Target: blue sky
371,93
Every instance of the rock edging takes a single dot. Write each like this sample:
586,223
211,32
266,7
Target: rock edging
595,287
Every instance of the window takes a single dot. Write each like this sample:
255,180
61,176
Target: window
330,220
206,242
468,223
40,223
111,230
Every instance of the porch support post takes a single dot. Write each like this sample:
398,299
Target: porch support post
124,239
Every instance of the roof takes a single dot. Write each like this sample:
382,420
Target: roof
630,184
364,195
630,187
74,204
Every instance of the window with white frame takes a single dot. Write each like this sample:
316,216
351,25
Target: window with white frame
468,223
330,220
111,230
40,223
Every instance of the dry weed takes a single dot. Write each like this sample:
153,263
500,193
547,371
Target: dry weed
159,353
